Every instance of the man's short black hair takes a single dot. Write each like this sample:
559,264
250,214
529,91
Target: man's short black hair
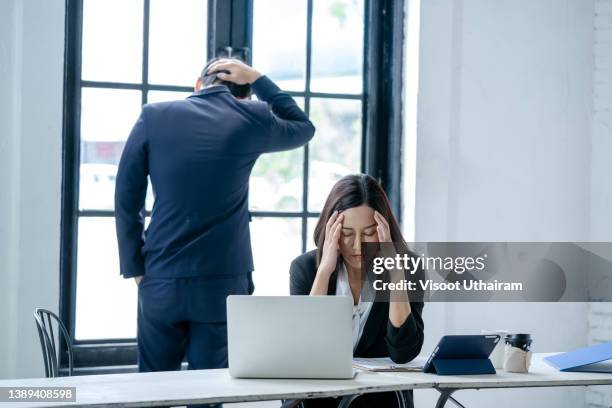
239,91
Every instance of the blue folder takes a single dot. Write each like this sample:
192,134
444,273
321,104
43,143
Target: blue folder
594,359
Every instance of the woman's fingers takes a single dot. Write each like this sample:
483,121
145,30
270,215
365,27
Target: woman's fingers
378,217
339,221
330,223
336,234
382,227
333,221
339,224
335,227
382,236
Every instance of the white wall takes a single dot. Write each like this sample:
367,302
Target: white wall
7,112
504,153
601,188
31,78
600,314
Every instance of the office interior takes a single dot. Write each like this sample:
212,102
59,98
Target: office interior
485,120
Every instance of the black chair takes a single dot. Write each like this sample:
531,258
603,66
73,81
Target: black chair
44,323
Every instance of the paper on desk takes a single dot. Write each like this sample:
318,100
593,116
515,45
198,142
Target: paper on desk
386,364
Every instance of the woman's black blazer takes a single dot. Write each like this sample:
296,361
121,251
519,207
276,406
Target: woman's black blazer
379,338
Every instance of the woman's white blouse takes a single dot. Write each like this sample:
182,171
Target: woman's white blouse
361,310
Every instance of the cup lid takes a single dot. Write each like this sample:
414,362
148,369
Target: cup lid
518,337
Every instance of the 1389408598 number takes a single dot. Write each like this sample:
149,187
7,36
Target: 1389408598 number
8,394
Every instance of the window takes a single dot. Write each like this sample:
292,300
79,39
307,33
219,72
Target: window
129,57
122,54
288,189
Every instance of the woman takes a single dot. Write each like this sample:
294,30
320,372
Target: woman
357,210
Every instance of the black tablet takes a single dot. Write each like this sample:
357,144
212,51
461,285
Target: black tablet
462,354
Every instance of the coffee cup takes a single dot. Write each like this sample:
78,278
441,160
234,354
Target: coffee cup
497,355
517,353
520,340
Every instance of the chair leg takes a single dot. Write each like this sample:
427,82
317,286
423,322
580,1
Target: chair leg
401,401
347,400
445,395
45,325
43,344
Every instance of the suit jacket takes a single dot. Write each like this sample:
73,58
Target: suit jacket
379,338
199,153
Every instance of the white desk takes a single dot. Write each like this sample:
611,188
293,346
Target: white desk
540,375
212,386
201,387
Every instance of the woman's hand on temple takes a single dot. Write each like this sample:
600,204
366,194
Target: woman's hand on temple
399,308
382,228
331,244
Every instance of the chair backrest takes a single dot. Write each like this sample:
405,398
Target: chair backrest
44,323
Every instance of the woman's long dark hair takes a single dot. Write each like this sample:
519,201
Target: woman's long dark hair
352,191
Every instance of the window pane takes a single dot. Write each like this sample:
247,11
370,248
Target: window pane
177,41
164,96
150,196
105,302
281,57
112,40
300,101
337,46
311,223
276,182
277,178
335,151
276,242
107,117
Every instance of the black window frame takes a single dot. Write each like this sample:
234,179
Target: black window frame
230,25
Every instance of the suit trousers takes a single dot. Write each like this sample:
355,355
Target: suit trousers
185,318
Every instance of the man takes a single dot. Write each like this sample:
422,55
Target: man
196,251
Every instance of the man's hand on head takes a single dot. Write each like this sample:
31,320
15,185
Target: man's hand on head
235,71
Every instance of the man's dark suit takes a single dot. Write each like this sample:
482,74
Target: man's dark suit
199,153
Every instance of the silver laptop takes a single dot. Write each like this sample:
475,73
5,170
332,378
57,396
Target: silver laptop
290,336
